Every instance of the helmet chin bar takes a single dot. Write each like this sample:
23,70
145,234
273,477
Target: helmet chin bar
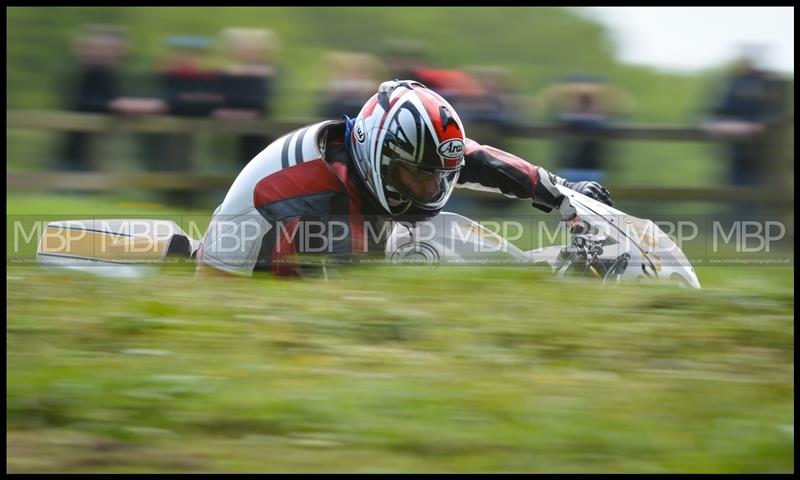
397,203
403,209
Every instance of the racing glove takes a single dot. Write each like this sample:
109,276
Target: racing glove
547,197
592,190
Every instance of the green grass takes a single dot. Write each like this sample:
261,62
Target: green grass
452,370
405,369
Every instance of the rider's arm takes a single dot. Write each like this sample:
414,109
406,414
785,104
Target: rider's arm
488,168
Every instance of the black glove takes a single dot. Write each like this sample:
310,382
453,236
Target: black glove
547,197
592,190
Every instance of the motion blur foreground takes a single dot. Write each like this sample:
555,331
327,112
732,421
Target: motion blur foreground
134,112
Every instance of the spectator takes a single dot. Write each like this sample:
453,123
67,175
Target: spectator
189,87
404,56
497,107
247,83
459,88
353,78
500,104
98,51
585,105
751,102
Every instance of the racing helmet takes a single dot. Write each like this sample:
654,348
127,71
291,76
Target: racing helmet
407,144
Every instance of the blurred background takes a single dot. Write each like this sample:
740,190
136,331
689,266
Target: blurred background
553,86
136,112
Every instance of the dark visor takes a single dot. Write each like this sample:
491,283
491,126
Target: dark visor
425,186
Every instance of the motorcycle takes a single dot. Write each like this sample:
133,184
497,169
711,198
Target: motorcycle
601,242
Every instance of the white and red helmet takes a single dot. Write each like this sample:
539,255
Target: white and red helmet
408,147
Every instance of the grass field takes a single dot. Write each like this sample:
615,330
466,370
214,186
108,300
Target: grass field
406,369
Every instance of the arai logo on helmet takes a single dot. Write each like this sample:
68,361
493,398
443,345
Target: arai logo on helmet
360,132
453,148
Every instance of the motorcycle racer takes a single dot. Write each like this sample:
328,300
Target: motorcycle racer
398,160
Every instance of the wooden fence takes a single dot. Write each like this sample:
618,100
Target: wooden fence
90,122
188,181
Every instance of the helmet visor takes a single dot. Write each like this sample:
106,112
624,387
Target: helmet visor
427,187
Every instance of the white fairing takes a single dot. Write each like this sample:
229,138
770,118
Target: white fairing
654,255
121,248
452,239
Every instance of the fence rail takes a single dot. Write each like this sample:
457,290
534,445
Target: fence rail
100,181
187,181
92,122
